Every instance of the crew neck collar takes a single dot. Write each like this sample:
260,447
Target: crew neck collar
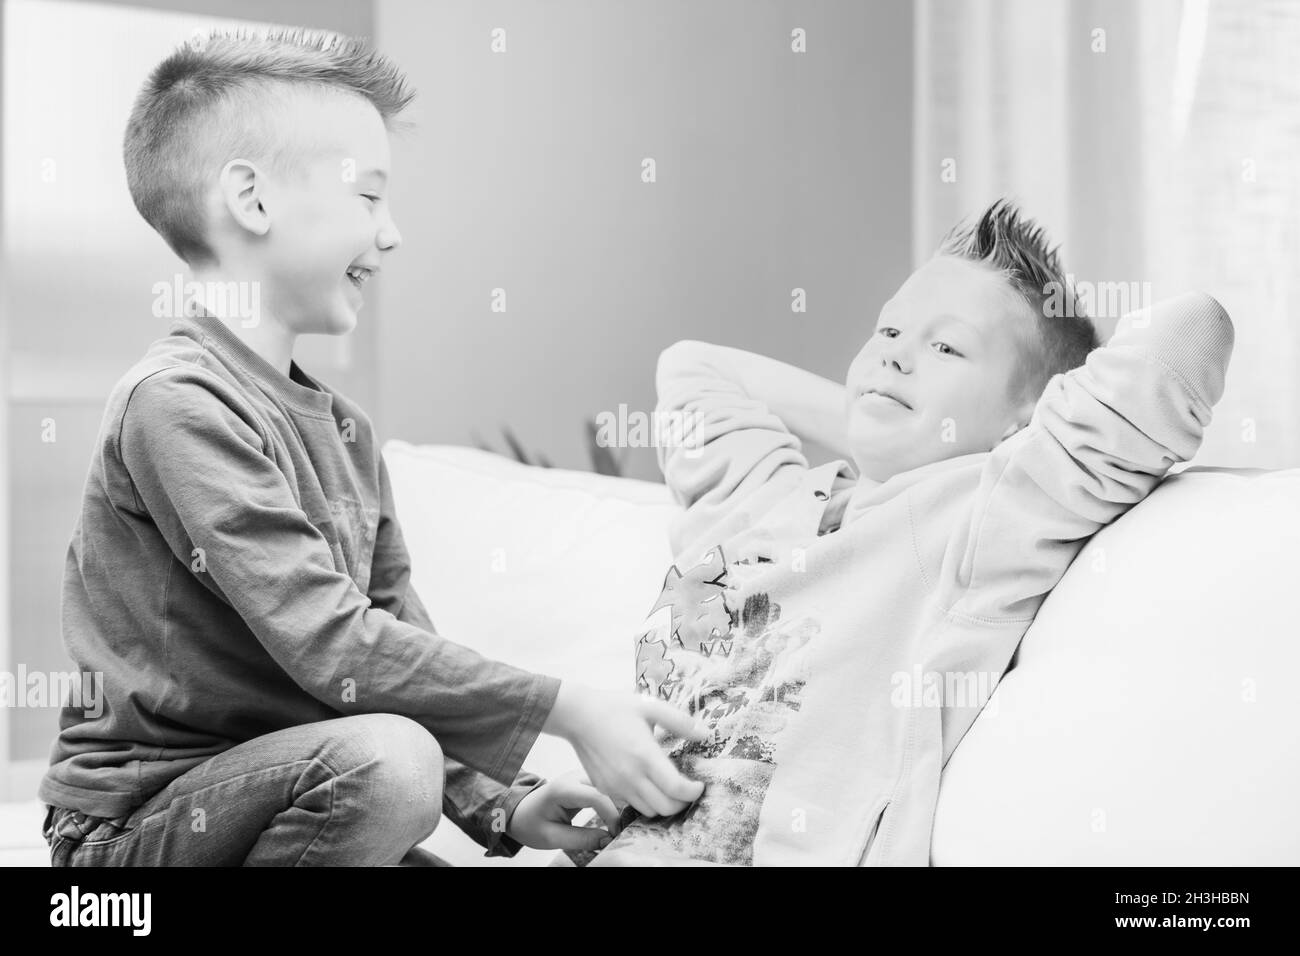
868,494
297,388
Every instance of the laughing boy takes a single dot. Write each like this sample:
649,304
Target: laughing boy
276,693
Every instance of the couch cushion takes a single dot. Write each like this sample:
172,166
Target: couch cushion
546,569
1149,717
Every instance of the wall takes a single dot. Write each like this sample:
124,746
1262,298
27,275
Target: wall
775,170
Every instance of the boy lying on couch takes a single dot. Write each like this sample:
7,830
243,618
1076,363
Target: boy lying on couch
840,627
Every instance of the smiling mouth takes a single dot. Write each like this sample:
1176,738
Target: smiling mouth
359,275
885,397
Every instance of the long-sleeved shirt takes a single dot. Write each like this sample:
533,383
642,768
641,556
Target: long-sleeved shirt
237,568
841,637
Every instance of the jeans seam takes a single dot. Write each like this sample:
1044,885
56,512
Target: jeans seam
255,770
333,779
57,845
130,831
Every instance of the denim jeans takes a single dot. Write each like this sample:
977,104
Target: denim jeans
353,791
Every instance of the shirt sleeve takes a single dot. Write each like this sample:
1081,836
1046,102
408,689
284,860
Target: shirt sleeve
480,806
1101,438
716,445
203,473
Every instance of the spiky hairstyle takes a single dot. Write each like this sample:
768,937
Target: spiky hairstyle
1017,249
217,97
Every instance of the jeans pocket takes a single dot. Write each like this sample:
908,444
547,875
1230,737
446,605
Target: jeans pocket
67,831
60,850
107,832
73,829
51,819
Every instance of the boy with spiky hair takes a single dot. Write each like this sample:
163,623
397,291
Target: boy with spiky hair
276,693
870,605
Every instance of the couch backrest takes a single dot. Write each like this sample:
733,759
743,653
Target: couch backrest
1147,717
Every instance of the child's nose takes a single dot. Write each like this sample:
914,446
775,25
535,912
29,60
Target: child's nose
893,354
390,237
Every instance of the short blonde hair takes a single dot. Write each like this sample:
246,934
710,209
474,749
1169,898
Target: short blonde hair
215,99
1017,249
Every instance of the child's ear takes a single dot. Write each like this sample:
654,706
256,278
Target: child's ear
241,192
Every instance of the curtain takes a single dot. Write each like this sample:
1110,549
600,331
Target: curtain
1158,142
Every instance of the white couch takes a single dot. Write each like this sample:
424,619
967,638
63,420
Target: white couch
1147,718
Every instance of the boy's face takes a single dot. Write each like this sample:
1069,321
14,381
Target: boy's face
949,346
329,216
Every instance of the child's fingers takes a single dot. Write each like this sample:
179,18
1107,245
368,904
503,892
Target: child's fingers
578,794
680,789
675,721
651,802
561,836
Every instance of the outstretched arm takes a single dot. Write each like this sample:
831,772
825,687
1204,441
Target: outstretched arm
603,728
477,804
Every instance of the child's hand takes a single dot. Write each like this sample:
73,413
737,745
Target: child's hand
543,818
611,734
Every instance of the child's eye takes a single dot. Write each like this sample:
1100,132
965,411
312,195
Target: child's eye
888,329
945,345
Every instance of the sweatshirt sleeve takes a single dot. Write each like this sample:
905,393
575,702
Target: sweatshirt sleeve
477,804
717,446
1101,438
202,472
